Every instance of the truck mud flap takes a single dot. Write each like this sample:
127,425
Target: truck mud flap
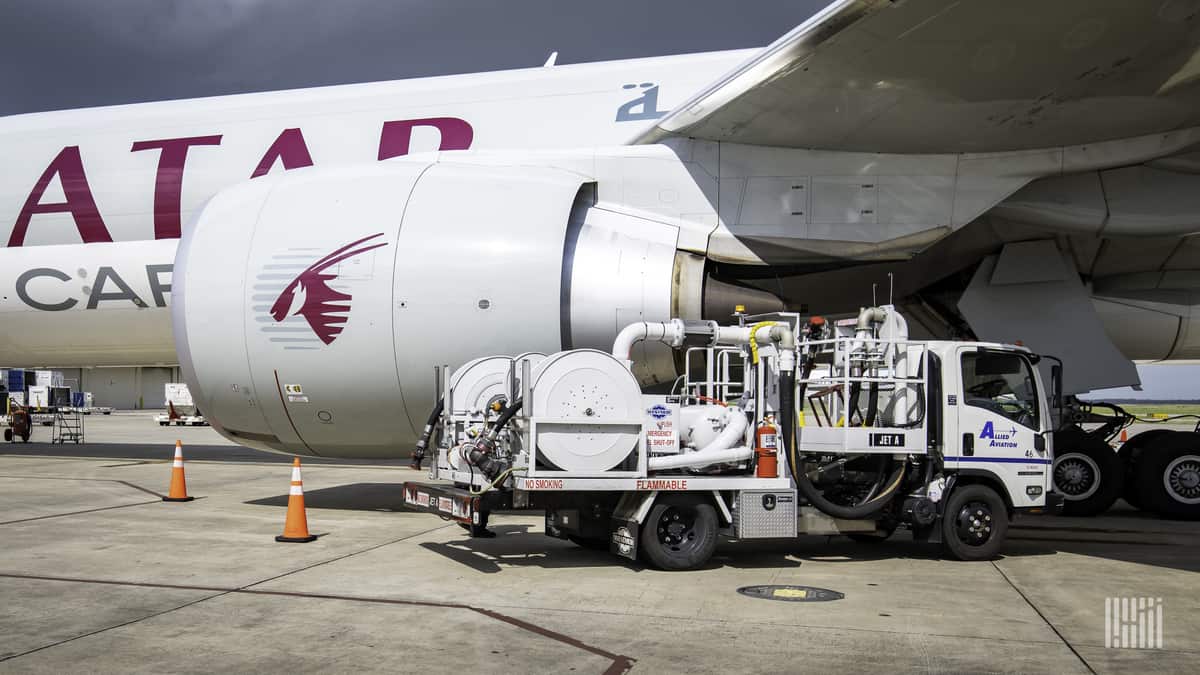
624,538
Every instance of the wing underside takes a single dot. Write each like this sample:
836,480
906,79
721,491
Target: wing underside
947,76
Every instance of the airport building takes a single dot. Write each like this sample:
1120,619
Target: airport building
124,388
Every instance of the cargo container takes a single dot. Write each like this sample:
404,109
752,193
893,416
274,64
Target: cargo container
39,397
15,380
177,394
60,397
181,410
48,378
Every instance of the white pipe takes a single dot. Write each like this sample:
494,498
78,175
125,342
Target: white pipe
670,333
734,431
721,449
700,458
674,331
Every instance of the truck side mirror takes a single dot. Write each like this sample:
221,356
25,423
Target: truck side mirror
1056,384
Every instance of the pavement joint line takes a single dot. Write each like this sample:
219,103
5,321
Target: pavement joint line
767,624
246,590
721,621
619,662
77,513
107,628
137,463
1044,619
344,556
98,480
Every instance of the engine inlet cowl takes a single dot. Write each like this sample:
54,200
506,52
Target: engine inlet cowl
311,308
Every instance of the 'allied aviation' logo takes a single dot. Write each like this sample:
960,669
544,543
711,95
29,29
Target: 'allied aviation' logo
310,295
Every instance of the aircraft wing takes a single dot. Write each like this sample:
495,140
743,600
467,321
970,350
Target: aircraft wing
938,76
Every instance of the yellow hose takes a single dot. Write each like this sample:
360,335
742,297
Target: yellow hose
754,342
503,474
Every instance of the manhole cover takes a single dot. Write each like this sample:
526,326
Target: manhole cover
791,593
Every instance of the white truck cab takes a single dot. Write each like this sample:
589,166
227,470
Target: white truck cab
996,418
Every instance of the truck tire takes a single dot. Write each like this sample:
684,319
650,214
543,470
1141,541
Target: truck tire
1168,477
1130,454
680,532
8,435
1087,473
975,523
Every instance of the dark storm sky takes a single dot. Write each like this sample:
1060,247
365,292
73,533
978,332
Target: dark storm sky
57,54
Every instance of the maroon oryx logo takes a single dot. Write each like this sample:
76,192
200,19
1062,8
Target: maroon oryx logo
325,309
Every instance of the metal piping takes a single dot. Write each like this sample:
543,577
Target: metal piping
700,458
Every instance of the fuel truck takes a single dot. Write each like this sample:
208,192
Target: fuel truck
779,426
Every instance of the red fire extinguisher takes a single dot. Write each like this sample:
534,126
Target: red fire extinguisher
766,443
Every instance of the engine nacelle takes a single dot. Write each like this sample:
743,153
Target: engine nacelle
310,308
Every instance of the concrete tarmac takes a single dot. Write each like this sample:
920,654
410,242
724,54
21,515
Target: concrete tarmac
97,574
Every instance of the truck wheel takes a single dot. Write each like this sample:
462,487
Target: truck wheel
680,532
1088,474
1168,477
8,435
975,523
1130,454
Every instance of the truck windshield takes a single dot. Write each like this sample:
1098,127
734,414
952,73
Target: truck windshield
1002,383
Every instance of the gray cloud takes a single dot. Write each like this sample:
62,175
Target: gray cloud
57,54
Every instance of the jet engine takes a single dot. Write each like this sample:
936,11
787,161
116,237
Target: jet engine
310,309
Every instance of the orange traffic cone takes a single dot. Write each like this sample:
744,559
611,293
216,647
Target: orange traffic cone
178,492
1124,435
295,528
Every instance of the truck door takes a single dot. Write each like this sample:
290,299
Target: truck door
1001,413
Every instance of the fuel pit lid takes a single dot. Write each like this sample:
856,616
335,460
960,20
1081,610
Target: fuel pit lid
791,593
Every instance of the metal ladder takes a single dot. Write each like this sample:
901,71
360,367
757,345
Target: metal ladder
68,427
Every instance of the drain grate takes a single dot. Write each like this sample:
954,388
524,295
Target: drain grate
791,593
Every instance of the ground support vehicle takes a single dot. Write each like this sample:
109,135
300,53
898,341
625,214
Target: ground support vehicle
1157,470
780,426
20,425
181,411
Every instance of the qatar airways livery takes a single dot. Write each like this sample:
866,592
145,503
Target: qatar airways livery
1024,171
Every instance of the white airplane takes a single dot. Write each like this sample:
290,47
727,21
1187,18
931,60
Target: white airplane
1025,171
